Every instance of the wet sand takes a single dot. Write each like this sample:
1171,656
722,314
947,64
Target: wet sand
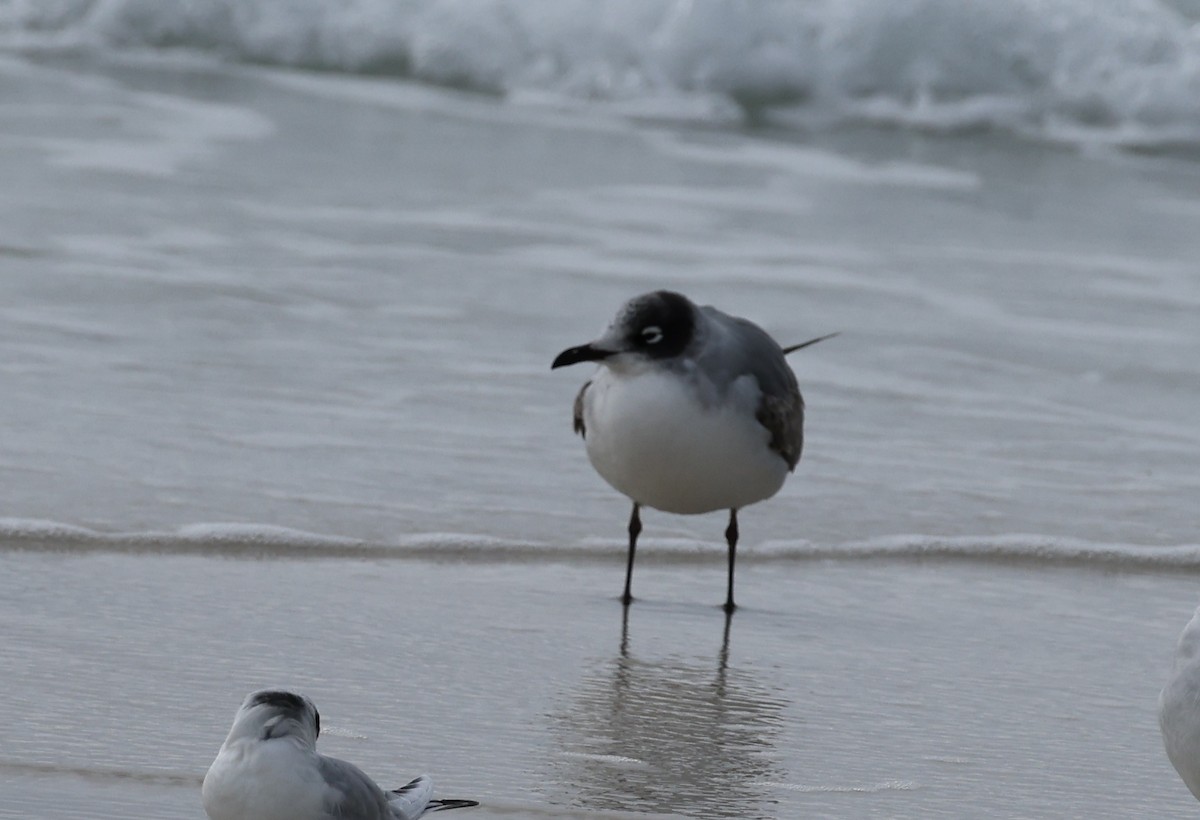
842,689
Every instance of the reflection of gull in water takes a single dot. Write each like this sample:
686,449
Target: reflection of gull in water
1179,707
670,735
269,769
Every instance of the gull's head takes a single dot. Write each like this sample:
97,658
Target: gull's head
269,714
653,326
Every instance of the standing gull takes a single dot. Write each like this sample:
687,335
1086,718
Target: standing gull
692,411
269,769
1179,707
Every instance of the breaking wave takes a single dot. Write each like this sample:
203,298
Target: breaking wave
1123,72
265,541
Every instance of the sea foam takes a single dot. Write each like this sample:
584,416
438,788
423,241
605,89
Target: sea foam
1123,72
263,540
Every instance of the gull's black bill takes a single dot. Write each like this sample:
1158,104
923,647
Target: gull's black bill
583,353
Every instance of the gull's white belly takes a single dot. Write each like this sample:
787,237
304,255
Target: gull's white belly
650,437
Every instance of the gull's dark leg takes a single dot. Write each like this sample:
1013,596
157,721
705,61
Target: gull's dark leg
731,537
635,527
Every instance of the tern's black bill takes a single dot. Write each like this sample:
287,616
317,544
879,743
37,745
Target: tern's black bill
583,353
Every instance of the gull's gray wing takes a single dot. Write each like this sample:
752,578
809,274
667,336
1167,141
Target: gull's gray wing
352,794
737,347
784,418
578,421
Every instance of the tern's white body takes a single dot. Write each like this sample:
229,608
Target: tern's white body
672,441
253,780
269,769
1179,707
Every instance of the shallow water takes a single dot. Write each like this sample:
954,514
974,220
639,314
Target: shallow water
333,307
278,410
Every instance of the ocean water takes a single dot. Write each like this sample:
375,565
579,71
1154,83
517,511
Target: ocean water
280,284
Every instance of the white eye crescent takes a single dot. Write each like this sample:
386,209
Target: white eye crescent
652,335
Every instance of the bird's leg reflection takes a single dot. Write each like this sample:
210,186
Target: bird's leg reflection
624,648
723,655
667,727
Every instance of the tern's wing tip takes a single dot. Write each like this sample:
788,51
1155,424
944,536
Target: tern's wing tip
415,798
447,803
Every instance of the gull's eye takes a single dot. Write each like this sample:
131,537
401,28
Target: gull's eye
652,335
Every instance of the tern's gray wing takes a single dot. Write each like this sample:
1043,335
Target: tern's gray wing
578,422
353,795
410,800
737,347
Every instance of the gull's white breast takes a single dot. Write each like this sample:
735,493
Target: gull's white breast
669,441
